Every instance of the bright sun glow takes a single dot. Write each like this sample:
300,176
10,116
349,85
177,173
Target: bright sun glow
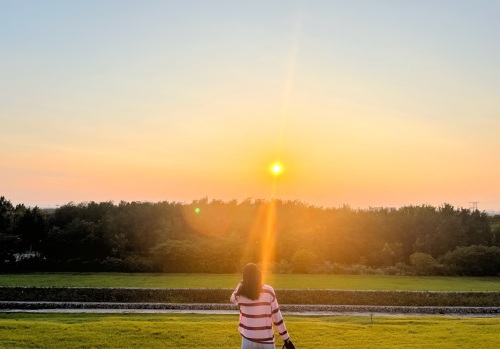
276,169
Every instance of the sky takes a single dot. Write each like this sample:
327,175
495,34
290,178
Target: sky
363,103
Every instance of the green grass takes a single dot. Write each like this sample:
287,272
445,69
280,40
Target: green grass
346,282
220,331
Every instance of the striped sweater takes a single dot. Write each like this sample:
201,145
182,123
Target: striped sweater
258,316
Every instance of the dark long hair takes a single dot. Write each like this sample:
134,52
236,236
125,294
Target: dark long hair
251,286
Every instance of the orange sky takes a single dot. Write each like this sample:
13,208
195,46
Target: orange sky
363,105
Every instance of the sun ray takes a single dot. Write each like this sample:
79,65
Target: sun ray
268,245
263,232
289,82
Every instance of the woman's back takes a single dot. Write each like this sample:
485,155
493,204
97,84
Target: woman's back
258,316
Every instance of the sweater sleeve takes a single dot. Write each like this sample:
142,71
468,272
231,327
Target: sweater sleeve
233,299
278,320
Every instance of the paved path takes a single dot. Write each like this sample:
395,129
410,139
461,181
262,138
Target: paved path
215,308
234,312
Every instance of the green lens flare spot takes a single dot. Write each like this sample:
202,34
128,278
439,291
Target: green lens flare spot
197,210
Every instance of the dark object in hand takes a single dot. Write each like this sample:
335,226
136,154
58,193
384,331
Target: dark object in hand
288,344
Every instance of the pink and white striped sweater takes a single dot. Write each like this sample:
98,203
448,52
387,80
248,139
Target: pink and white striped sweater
258,316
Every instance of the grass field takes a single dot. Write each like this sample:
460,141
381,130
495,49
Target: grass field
220,331
347,282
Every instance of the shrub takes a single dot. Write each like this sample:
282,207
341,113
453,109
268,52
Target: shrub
328,297
284,267
423,263
474,260
129,264
403,269
304,261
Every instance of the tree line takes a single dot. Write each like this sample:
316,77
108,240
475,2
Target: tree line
218,236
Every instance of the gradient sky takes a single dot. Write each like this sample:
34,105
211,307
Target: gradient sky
365,103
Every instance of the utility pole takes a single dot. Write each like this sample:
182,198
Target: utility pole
473,205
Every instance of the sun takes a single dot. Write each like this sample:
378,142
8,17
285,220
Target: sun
276,168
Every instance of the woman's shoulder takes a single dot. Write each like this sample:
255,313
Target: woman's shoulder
268,289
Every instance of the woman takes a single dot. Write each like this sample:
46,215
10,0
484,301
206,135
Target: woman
259,310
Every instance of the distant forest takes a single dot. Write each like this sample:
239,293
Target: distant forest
213,236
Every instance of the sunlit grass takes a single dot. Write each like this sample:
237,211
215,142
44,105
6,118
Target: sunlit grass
289,281
220,331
